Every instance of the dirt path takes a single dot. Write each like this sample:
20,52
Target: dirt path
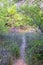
20,62
29,29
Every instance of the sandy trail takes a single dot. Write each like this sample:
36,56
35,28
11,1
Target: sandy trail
20,62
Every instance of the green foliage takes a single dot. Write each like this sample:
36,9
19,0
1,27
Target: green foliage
3,20
32,12
26,15
12,10
16,0
15,50
34,49
33,15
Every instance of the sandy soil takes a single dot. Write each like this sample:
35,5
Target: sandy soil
20,62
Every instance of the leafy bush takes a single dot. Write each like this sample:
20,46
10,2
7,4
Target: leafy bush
25,15
33,51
